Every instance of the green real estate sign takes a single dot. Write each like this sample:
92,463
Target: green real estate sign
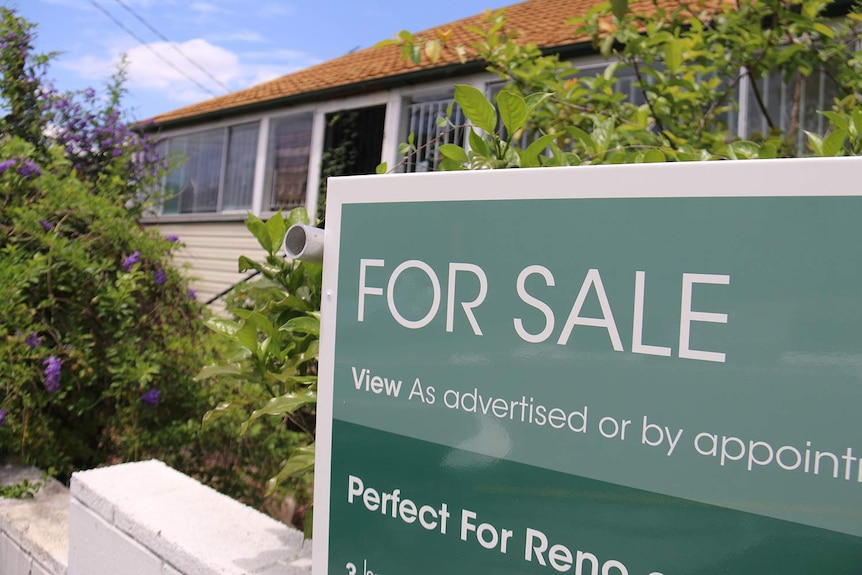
651,369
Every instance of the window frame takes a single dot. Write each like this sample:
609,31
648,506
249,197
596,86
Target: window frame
226,133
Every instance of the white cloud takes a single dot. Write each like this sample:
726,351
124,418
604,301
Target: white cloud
160,67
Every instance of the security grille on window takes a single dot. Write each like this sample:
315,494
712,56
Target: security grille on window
428,136
215,170
779,96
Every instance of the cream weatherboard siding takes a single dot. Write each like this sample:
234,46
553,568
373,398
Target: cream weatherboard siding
210,253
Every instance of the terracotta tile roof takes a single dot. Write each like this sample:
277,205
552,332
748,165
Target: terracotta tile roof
542,22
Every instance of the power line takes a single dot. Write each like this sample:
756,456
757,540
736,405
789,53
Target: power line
150,48
172,44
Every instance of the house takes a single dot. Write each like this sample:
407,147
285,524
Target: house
269,147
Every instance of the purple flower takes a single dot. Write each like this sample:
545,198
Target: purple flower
46,224
33,341
5,165
159,276
192,294
52,373
151,397
3,413
131,261
29,169
172,238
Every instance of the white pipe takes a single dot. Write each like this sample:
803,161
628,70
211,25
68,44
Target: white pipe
302,242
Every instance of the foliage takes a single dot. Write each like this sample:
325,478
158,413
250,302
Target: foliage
274,349
25,490
100,334
687,63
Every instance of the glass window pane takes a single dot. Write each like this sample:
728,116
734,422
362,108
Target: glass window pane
192,187
287,161
239,173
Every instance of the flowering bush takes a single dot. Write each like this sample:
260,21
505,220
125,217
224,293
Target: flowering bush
100,335
99,340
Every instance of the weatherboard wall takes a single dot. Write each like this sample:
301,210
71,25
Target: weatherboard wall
210,252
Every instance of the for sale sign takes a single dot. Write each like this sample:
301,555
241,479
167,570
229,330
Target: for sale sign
651,369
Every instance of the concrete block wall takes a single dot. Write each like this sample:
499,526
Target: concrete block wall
141,519
148,519
33,532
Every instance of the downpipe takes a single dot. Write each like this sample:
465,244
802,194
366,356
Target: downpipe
305,243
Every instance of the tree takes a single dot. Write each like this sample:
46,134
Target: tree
685,64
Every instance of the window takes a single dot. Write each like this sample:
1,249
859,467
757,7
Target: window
422,116
287,161
816,93
215,171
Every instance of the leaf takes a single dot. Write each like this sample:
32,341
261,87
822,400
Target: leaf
246,264
308,524
313,351
619,8
298,379
296,216
476,107
478,145
225,327
513,110
387,42
219,411
529,157
304,324
815,142
246,336
654,155
301,461
432,50
535,100
673,55
214,370
833,144
744,149
275,228
259,321
454,152
607,44
258,229
282,405
583,137
836,119
823,29
856,122
381,168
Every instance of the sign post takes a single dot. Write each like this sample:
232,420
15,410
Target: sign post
642,370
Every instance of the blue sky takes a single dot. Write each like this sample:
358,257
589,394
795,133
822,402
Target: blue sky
238,43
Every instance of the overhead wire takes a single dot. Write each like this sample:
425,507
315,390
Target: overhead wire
150,48
173,45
